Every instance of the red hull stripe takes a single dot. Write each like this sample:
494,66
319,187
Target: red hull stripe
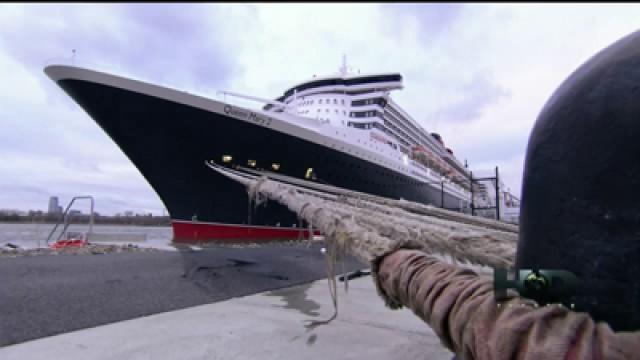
184,231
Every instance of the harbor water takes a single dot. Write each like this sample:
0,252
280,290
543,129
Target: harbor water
35,235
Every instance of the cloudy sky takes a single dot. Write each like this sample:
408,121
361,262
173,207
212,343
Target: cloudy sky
477,74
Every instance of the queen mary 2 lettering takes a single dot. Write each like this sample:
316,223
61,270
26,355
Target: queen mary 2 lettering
343,130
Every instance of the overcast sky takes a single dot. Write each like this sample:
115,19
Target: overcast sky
477,74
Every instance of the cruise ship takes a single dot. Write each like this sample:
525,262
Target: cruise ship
344,130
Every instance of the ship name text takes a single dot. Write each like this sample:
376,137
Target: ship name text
247,115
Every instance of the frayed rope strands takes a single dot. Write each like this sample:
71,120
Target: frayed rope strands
370,227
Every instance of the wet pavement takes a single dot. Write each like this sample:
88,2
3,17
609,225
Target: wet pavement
268,325
42,296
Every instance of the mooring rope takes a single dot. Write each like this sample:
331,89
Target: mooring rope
364,228
368,227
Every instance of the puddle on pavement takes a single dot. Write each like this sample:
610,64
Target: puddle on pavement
296,298
312,339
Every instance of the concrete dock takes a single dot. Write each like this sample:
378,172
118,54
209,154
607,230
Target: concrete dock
47,295
267,325
211,303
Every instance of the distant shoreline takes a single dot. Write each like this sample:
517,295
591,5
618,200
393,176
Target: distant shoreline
84,223
84,219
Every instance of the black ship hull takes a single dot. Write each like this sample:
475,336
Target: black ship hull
169,142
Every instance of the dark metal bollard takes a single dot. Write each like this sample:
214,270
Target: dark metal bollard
580,208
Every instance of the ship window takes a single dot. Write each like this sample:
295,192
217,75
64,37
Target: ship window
344,112
337,111
320,101
342,101
326,110
335,101
226,158
251,163
309,173
275,166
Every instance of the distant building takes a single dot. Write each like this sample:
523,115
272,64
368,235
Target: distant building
14,212
75,212
54,207
128,213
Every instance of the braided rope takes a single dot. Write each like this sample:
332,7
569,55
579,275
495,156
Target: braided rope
370,227
367,229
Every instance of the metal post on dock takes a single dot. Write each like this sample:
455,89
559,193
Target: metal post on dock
497,195
472,196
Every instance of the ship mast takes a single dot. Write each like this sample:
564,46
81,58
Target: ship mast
343,69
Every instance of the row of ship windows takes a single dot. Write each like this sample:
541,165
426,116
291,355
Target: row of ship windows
319,110
360,114
379,101
328,101
357,114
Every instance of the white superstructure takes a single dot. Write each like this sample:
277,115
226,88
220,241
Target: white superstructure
348,102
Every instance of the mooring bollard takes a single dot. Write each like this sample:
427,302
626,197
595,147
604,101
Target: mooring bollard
580,201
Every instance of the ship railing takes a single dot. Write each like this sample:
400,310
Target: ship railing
274,103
